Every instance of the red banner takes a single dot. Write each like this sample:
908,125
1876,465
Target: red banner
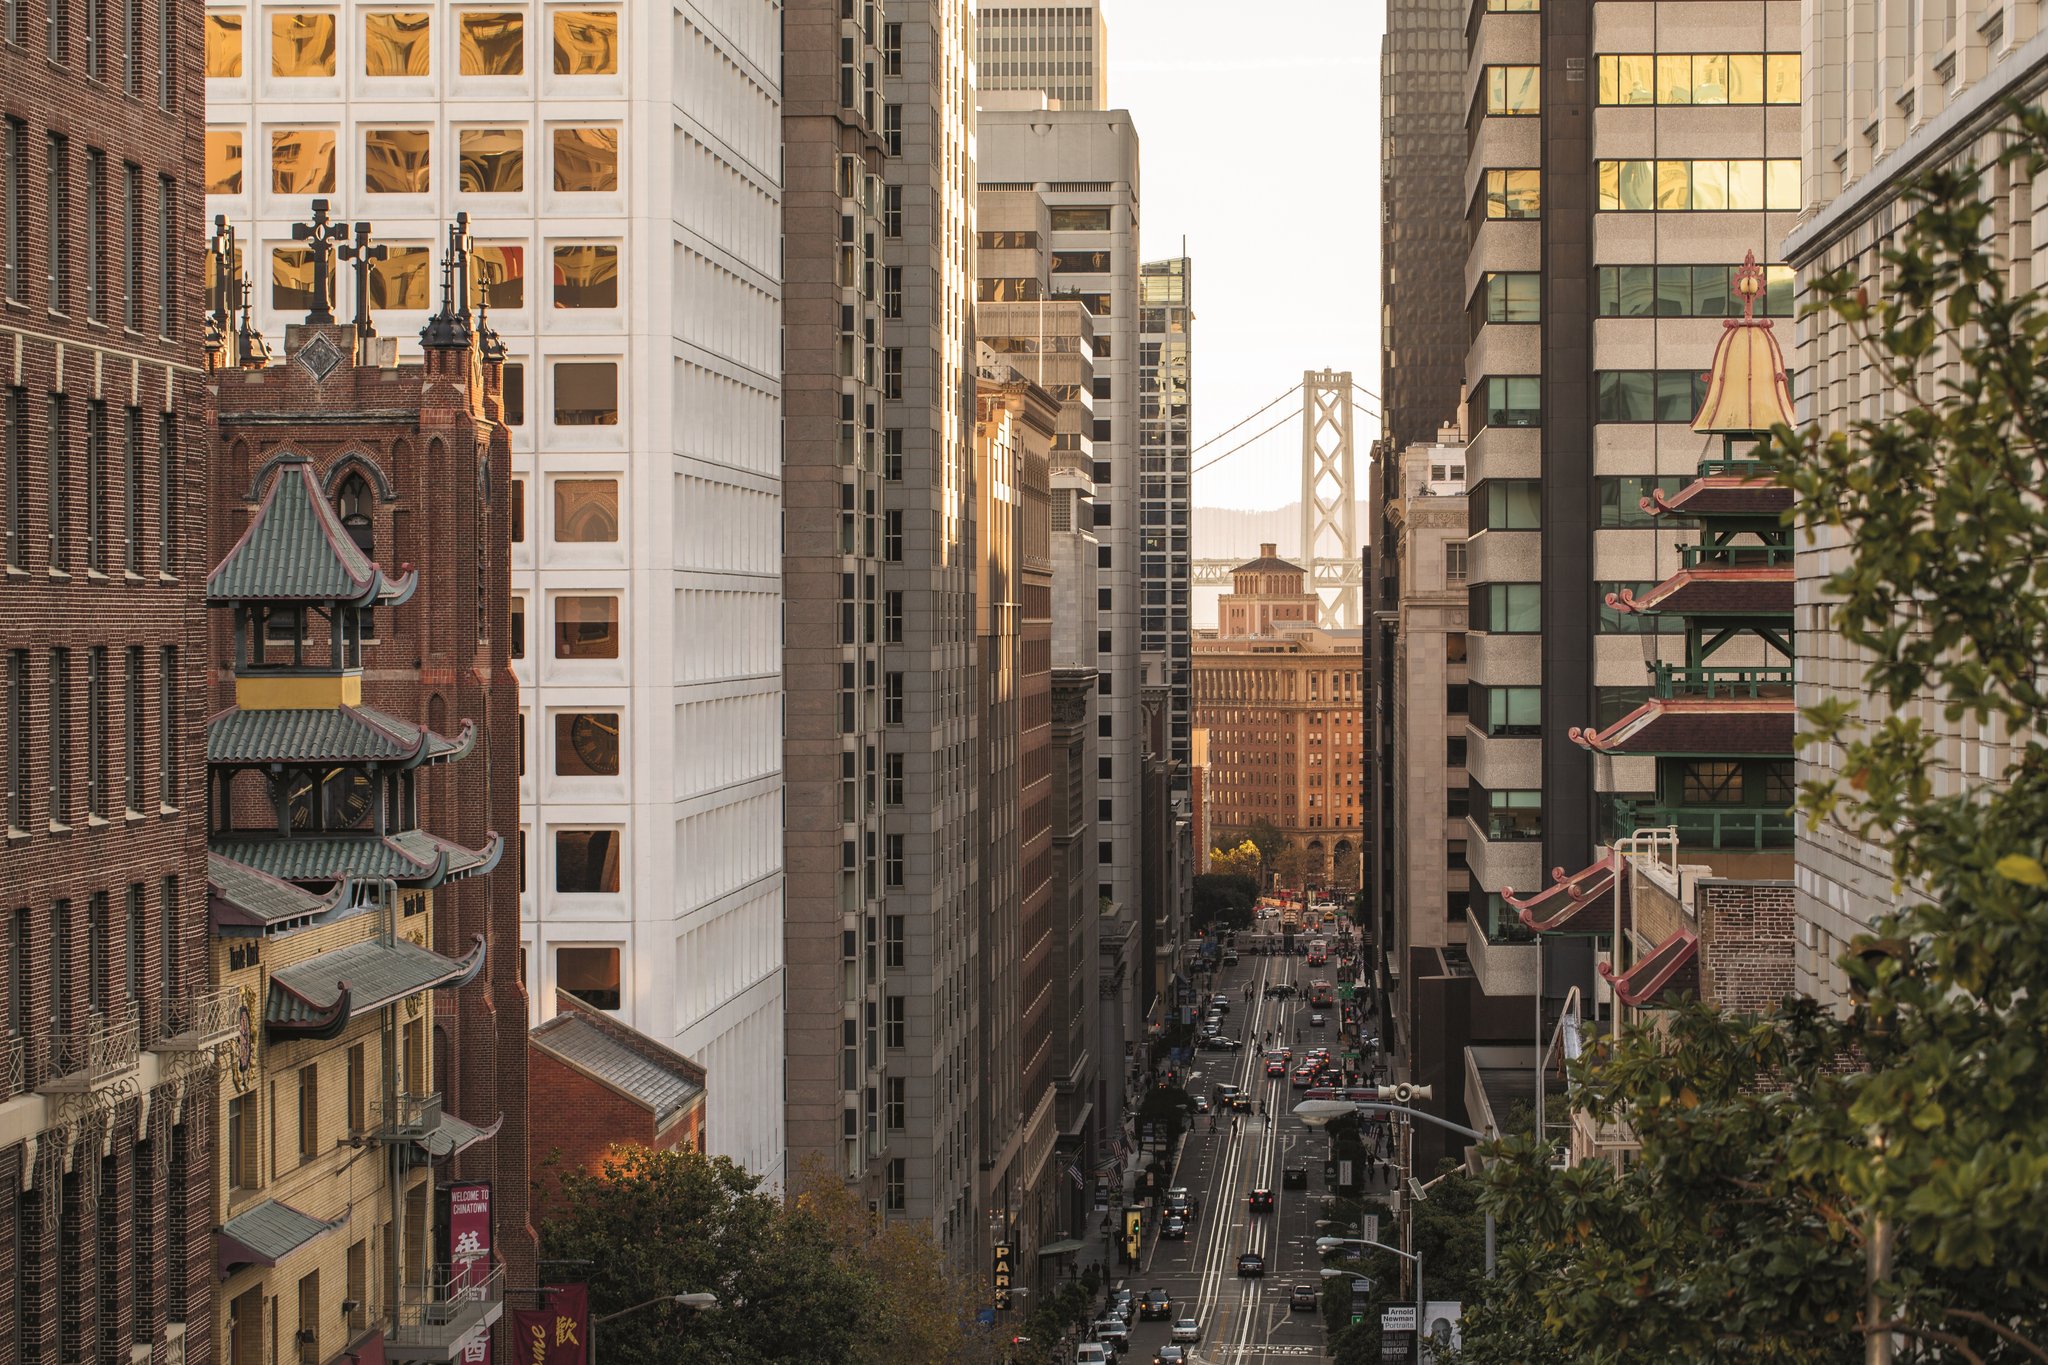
555,1334
469,1256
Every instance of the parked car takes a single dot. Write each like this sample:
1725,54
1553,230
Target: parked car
1187,1331
1262,1200
1113,1332
1092,1353
1220,1001
1124,1304
1174,1227
1294,1177
1251,1265
1302,1297
1156,1303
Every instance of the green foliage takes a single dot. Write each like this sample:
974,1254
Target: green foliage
1224,900
1783,1157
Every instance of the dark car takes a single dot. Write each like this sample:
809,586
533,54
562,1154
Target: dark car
1279,990
1171,1355
1219,1001
1316,1020
1218,1042
1302,1296
1294,1177
1262,1200
1175,1227
1251,1264
1155,1303
1276,1066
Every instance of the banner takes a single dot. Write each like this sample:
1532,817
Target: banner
555,1334
1002,1273
469,1256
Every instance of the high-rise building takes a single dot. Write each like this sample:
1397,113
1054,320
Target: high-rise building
1636,155
634,154
1888,97
107,1081
1166,320
1059,51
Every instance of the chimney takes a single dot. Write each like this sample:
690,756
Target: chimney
1269,549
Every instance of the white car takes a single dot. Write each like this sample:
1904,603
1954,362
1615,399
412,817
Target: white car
1187,1330
1091,1353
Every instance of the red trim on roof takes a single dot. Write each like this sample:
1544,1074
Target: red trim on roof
1567,897
1653,971
1696,725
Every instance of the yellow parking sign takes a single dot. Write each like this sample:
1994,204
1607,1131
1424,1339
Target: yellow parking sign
1002,1272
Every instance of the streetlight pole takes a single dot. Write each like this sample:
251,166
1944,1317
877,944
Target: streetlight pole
1316,1113
696,1303
1326,1244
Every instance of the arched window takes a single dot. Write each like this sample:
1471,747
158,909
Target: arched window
354,503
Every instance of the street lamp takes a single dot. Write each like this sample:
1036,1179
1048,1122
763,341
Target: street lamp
693,1303
1317,1113
1327,1246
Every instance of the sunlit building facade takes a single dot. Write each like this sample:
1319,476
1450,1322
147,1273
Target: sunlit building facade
1060,51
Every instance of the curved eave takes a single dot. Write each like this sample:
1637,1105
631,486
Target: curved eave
457,748
1653,971
488,858
396,592
316,1022
469,968
1697,726
1698,498
234,920
1567,898
1669,597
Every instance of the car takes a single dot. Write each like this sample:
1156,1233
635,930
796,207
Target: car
1124,1305
1279,990
1179,1201
1092,1353
1187,1331
1294,1177
1262,1200
1316,1020
1230,957
1175,1227
1304,1077
1171,1355
1276,1066
1156,1303
1302,1296
1251,1265
1239,1101
1287,1052
1113,1332
1220,1001
1218,1042
1201,1104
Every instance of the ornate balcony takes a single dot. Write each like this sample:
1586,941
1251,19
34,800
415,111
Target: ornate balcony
13,1067
104,1049
195,1022
404,1118
435,1321
1703,827
1678,680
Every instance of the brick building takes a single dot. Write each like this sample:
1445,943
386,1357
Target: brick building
409,466
105,1077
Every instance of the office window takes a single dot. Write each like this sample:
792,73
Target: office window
892,941
892,211
403,280
892,699
96,733
896,1104
1506,608
396,160
493,43
892,291
892,618
1699,78
166,45
586,42
1620,498
132,944
498,271
131,246
309,1112
57,482
92,220
1507,815
895,1023
586,275
892,536
1613,621
586,393
587,861
893,860
518,643
892,780
301,44
223,161
589,974
1507,712
892,128
1514,193
586,160
168,680
291,279
1454,562
17,206
1080,220
1709,185
1514,296
1514,90
892,372
587,743
131,490
302,160
131,47
586,627
166,282
224,44
397,44
515,393
1514,400
1648,395
1506,505
493,161
57,202
1711,783
586,511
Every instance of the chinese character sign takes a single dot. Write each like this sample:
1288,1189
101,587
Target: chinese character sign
469,1255
555,1333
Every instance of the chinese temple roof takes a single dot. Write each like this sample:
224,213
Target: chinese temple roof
295,550
317,997
1710,590
1721,495
1581,903
242,899
1672,965
413,858
338,734
1746,387
1697,725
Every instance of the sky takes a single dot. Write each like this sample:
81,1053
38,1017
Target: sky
1258,124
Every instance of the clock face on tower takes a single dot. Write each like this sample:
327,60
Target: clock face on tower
595,736
346,796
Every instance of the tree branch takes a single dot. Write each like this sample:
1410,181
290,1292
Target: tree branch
1927,1333
2005,1333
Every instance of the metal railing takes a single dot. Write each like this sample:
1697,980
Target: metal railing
1751,468
432,1320
13,1067
1733,827
105,1046
1734,556
1679,680
199,1019
405,1117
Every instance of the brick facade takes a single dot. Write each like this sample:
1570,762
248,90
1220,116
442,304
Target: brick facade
1746,943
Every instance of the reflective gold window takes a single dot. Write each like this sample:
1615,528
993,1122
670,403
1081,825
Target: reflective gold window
223,160
586,627
1709,185
302,160
1513,90
1628,78
301,44
493,43
291,279
1709,79
1781,184
586,511
403,279
395,160
1746,78
587,393
493,160
396,44
1674,185
586,159
1514,194
1781,78
1745,184
586,276
586,42
224,43
500,274
1674,79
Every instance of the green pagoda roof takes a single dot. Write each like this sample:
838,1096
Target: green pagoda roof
316,998
242,899
295,550
265,1233
339,734
413,858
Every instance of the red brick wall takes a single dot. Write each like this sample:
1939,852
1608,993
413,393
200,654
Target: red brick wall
578,1123
1745,943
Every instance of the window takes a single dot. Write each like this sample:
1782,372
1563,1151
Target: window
892,128
586,861
1506,608
893,862
1621,499
499,271
892,780
892,291
58,481
166,277
132,942
166,45
358,1089
396,160
586,393
59,693
302,160
892,536
892,211
589,974
493,161
131,242
515,393
1514,400
586,627
896,1103
96,733
892,941
586,42
92,218
1699,78
892,49
1454,562
309,1112
895,1023
300,44
223,161
586,160
1080,220
1710,783
1613,621
131,490
1514,296
291,279
896,1185
396,44
587,743
223,44
131,48
1678,186
1506,505
1507,712
1514,194
58,204
892,372
1688,291
1648,395
167,680
1513,6
892,699
586,511
17,205
493,43
1514,90
131,728
242,1144
892,618
1507,815
1610,704
586,275
17,479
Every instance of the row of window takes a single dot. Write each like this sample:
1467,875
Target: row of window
585,160
1517,712
93,514
582,275
60,34
1517,609
586,626
1516,400
1671,291
75,684
1699,186
400,44
1517,504
1699,78
95,216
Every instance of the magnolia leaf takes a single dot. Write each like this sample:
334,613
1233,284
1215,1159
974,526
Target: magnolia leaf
2017,867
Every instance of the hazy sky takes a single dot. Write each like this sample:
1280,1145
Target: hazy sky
1259,128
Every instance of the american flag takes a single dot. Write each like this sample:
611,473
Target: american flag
1074,1174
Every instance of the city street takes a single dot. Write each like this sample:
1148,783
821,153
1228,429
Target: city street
1245,1319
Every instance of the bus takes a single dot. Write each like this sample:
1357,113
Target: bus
1321,995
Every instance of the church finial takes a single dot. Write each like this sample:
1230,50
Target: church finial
360,255
320,235
222,295
252,352
451,327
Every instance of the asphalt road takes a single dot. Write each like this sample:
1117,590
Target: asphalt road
1245,1319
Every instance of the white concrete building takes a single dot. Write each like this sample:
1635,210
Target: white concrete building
620,163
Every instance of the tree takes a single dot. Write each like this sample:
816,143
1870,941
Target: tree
1240,860
1224,900
1783,1158
1289,865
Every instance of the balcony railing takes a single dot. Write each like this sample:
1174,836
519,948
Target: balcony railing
1678,680
1734,556
102,1049
13,1067
199,1020
1715,827
405,1118
1753,469
431,1322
